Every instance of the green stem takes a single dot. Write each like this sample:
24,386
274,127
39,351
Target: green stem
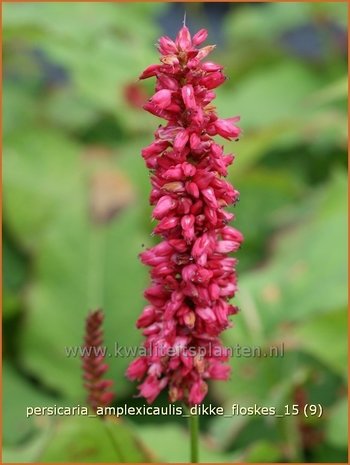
96,263
292,439
194,431
113,438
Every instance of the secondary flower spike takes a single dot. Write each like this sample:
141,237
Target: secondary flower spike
94,366
192,275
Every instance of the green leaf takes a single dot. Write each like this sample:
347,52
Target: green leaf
78,22
78,264
91,440
277,299
14,274
333,92
260,188
291,287
164,443
16,426
265,24
77,270
101,81
18,107
337,424
262,452
261,98
36,162
67,109
324,337
28,452
71,34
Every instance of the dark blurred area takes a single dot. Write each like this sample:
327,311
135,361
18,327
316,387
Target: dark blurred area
76,216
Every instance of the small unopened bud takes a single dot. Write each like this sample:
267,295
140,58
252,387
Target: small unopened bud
198,362
183,40
181,140
150,71
162,98
166,45
170,60
203,52
188,97
190,319
211,67
174,187
200,37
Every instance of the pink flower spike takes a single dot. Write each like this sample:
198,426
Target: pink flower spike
192,276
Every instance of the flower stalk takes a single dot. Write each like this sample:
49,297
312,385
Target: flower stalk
194,433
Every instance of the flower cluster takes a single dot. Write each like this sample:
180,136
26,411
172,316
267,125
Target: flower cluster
93,363
193,277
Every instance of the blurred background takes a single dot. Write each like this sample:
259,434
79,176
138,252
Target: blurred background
76,216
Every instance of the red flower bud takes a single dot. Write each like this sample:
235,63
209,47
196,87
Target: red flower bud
162,98
166,46
200,37
188,97
183,39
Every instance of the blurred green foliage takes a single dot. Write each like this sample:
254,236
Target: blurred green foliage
76,217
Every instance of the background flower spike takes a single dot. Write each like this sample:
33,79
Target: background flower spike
93,363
